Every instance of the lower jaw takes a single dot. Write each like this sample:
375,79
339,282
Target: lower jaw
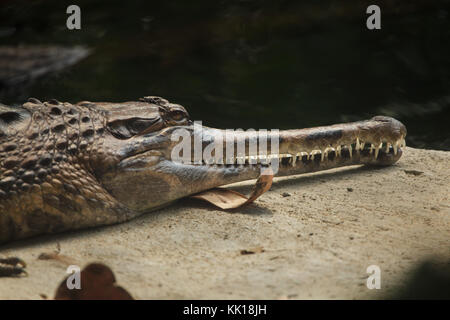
289,165
304,165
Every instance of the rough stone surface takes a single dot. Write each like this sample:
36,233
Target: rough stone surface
316,243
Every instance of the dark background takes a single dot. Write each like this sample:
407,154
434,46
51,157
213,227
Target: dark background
242,64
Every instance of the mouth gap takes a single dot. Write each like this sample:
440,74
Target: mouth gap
345,152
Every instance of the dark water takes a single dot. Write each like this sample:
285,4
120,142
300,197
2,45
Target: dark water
258,64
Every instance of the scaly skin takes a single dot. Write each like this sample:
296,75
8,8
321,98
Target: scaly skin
65,167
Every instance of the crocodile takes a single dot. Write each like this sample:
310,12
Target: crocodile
70,166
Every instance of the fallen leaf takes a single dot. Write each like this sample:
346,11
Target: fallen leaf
229,199
413,172
56,256
97,283
252,251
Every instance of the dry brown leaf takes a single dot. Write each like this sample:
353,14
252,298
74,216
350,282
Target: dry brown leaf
57,257
229,199
252,251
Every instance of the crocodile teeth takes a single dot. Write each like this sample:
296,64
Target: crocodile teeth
294,159
350,150
377,150
338,151
387,147
357,144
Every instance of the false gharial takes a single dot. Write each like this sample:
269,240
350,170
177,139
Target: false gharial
69,166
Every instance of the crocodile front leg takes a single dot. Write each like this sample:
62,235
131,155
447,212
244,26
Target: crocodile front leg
69,199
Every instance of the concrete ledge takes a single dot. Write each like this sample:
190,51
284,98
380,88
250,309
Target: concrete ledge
313,235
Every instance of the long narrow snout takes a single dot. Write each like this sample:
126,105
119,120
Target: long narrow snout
187,160
377,141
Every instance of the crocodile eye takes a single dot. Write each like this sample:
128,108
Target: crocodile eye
177,115
125,129
138,125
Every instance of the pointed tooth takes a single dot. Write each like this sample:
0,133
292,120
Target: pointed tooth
294,159
387,147
395,146
350,150
357,144
377,150
322,156
338,151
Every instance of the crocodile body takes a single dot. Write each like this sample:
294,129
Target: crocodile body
68,166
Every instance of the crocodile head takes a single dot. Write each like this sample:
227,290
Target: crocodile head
145,138
66,166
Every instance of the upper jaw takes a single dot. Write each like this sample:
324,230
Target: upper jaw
379,135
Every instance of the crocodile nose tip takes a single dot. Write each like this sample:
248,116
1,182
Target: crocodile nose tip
383,119
393,122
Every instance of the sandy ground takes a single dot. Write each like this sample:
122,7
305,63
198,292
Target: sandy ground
318,234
